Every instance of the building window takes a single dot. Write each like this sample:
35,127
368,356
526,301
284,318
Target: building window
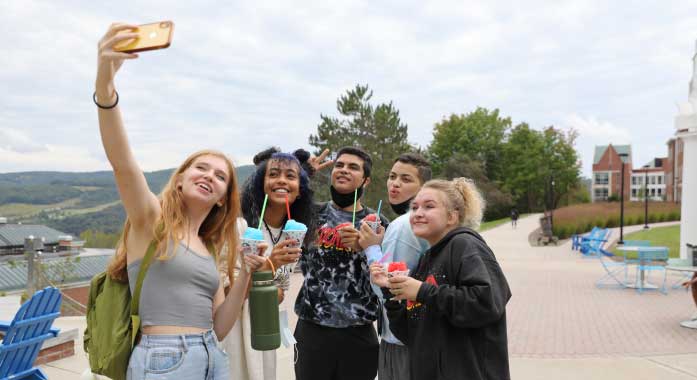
601,194
601,178
653,192
653,179
633,193
660,179
659,192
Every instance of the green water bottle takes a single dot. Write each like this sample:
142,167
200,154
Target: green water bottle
263,312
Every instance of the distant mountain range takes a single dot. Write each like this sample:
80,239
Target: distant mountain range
73,202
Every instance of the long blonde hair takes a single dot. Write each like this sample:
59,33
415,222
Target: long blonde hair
463,197
219,229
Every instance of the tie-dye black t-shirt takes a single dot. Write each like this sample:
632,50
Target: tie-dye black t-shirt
336,291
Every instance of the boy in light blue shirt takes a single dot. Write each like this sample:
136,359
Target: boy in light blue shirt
409,172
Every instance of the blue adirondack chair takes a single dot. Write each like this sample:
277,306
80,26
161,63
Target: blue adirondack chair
26,333
576,240
591,245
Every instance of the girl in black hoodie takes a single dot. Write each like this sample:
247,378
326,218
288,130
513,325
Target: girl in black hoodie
452,312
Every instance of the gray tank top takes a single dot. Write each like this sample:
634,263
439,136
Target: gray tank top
178,291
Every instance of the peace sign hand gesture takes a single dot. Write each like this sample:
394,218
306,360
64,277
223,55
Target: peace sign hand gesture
318,163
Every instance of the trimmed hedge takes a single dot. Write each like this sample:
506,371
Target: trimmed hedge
581,218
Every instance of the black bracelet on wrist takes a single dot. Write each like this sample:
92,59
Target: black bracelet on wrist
94,98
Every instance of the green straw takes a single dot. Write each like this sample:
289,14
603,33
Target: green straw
263,209
379,205
355,200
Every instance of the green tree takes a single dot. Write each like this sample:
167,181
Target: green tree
479,135
376,129
523,156
563,164
533,159
498,202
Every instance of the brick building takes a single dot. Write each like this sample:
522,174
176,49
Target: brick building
607,169
674,170
660,178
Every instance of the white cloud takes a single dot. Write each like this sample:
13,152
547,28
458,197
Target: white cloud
243,76
598,130
16,141
58,158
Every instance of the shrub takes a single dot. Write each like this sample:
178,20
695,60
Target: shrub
581,229
582,218
589,227
661,217
562,232
652,218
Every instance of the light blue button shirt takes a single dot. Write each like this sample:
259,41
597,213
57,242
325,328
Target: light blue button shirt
401,243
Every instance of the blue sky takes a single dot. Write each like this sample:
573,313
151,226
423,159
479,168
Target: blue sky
241,76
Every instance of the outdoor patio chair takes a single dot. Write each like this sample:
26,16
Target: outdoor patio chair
26,333
591,245
651,259
576,238
591,239
615,270
675,265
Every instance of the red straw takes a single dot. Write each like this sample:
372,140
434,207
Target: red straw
287,207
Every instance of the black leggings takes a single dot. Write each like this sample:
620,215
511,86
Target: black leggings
327,353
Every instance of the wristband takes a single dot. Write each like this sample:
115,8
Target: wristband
94,98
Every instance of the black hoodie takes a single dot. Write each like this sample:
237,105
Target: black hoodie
456,328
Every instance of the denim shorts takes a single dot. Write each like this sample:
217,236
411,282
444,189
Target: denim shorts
180,357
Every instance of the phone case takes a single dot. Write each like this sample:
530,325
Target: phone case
157,35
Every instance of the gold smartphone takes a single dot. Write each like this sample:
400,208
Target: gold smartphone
157,35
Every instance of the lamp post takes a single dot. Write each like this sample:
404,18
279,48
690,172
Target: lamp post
622,157
551,200
646,197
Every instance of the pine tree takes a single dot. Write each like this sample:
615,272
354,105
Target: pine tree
376,129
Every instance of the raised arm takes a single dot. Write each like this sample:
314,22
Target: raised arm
140,203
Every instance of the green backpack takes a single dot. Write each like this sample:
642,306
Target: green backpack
113,322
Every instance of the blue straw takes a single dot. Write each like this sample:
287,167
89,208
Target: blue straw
379,206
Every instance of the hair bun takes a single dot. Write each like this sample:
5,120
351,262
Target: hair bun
265,155
302,155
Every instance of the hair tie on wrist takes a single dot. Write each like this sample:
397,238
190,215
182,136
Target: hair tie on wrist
94,98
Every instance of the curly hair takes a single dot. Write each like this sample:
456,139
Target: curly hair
252,200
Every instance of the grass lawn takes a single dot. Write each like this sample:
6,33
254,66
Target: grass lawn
658,236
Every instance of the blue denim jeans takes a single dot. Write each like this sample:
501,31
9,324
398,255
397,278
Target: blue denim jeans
180,357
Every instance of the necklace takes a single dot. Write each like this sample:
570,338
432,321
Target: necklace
274,240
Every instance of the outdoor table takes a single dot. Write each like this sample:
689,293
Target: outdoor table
626,249
690,323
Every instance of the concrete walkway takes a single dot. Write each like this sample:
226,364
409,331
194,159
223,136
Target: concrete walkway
560,325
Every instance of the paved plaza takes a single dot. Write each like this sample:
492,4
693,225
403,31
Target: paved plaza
560,325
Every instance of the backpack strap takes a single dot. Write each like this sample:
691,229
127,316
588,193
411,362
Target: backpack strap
144,265
211,250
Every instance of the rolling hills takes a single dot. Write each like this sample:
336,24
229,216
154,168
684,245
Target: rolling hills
73,202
